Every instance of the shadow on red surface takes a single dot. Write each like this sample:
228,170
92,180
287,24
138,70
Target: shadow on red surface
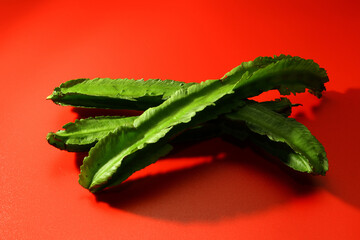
245,180
336,125
242,182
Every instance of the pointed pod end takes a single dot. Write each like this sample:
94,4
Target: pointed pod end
84,182
52,140
326,167
57,94
323,165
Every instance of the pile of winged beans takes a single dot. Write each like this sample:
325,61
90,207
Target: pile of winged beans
176,112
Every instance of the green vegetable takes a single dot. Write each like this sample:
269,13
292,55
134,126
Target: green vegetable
178,111
115,93
140,94
155,124
119,154
81,135
306,154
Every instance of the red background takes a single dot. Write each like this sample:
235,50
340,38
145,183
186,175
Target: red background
211,190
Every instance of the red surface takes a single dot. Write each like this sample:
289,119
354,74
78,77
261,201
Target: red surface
212,190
